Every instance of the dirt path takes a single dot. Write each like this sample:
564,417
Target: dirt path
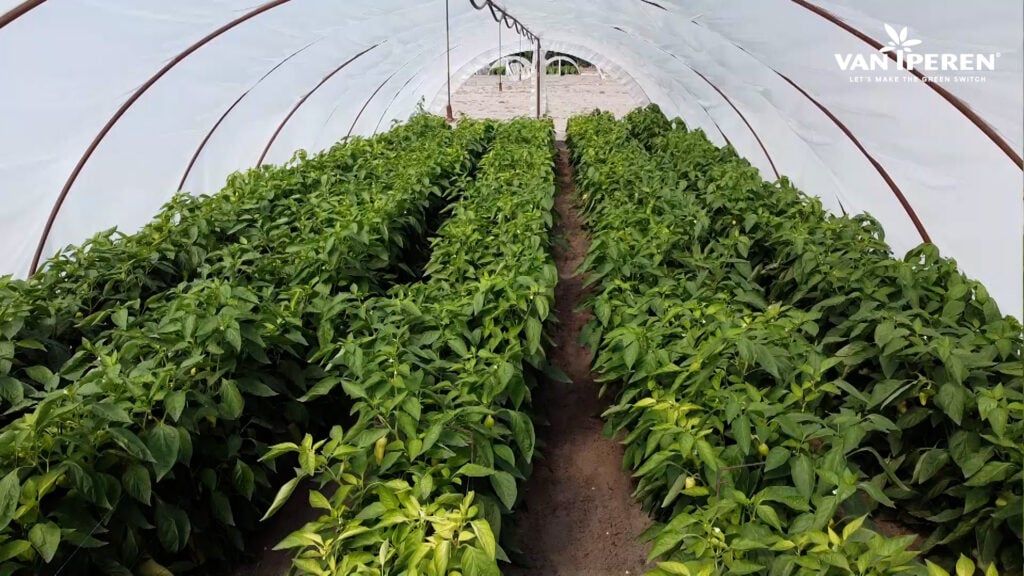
578,518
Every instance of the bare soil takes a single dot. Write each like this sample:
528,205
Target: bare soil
564,96
579,518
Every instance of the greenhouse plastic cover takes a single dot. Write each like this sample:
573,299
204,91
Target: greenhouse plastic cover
106,102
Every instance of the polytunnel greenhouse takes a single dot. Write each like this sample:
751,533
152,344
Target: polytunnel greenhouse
521,287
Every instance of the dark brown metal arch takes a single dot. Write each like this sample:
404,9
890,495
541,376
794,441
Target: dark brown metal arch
706,113
907,207
742,117
367,103
199,149
956,102
305,97
124,108
18,11
904,202
724,97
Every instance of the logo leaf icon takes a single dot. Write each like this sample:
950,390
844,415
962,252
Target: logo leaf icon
892,34
903,36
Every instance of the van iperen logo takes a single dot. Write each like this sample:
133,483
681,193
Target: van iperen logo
936,67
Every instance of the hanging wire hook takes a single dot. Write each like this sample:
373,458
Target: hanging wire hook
501,16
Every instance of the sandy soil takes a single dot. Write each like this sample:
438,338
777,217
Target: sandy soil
566,96
579,518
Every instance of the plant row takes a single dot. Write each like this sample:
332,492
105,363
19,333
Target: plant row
440,374
188,350
785,382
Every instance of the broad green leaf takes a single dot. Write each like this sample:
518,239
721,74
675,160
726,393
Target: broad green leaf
991,472
221,507
110,412
504,485
45,538
777,456
14,548
172,526
475,471
283,494
952,398
485,537
803,475
163,443
231,401
136,483
522,431
243,479
476,562
10,490
131,443
174,404
930,463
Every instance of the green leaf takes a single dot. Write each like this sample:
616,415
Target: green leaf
11,390
854,525
233,336
964,566
283,494
110,412
324,387
485,537
163,443
674,490
630,353
14,548
221,507
522,431
172,526
174,404
10,491
856,352
475,471
505,487
803,475
741,433
120,318
876,494
533,333
135,480
934,569
131,443
243,479
476,562
768,515
42,375
677,568
231,401
952,398
706,453
776,457
991,472
45,538
929,464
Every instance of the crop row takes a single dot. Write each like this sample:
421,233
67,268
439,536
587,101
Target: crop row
441,372
168,360
785,382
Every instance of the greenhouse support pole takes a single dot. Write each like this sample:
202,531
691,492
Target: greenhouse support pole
501,72
537,64
448,61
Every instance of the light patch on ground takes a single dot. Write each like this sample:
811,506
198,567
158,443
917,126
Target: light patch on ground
565,96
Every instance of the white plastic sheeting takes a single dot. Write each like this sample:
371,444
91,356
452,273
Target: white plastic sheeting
757,74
